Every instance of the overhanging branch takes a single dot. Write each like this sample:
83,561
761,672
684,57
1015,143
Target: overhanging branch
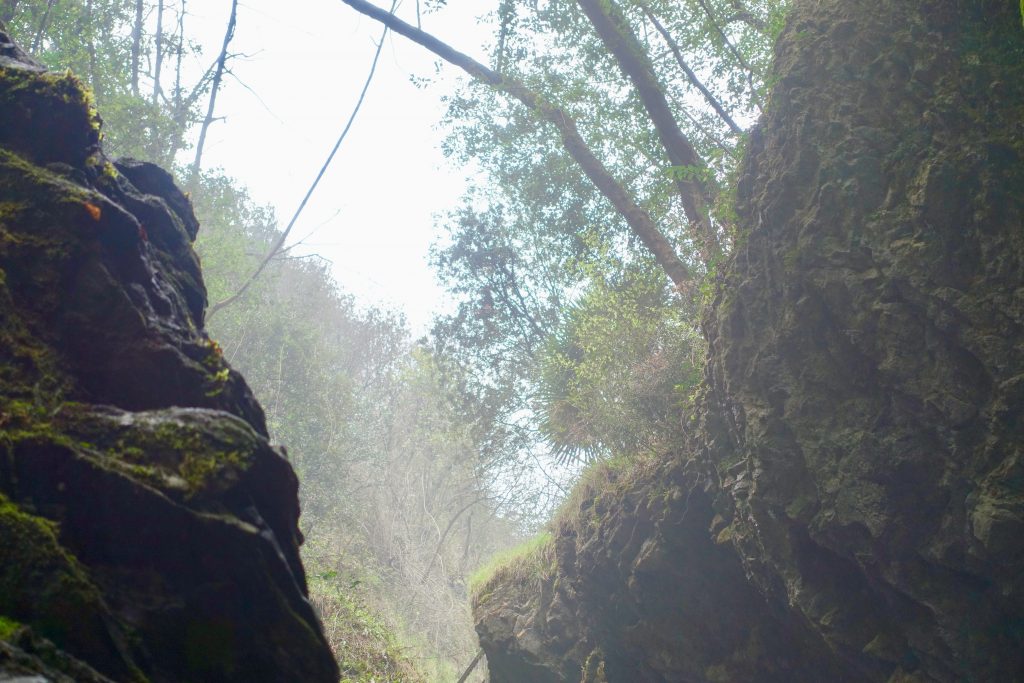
695,191
638,220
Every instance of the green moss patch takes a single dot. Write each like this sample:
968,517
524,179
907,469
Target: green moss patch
9,627
43,586
48,117
186,453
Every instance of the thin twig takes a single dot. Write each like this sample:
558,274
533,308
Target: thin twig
218,74
681,61
279,243
748,69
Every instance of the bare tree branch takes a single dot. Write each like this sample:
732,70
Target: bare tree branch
279,243
229,34
637,218
447,530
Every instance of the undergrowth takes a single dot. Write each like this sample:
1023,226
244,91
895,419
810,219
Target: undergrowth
366,650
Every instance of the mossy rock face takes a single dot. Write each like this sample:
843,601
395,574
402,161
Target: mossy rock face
850,503
148,531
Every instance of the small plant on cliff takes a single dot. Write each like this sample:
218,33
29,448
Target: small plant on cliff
530,562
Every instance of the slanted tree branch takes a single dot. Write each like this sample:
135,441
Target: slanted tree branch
690,75
748,70
638,220
695,191
472,665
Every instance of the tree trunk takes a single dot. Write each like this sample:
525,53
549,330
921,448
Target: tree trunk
7,10
44,23
638,220
695,187
88,30
218,75
159,43
137,46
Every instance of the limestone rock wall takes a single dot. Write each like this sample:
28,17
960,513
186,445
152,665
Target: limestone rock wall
850,505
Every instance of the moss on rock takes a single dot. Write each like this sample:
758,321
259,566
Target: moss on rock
148,530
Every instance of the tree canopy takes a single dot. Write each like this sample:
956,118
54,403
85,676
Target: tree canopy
607,136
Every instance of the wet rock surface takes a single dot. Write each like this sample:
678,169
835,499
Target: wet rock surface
148,530
850,505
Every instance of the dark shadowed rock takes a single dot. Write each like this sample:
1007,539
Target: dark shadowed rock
148,531
850,505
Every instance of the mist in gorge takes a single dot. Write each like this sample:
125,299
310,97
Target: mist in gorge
517,341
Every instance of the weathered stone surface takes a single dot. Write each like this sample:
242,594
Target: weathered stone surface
148,531
850,506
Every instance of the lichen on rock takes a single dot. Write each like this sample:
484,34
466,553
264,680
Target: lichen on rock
148,530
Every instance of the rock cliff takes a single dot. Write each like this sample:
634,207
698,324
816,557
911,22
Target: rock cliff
148,531
850,502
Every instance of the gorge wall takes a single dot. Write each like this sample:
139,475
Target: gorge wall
850,504
148,531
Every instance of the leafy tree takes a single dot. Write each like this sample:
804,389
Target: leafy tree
608,132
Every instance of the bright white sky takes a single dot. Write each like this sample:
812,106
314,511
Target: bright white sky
373,213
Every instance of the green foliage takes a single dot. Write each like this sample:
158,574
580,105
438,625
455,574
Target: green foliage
688,173
143,119
616,372
599,478
539,260
367,651
528,563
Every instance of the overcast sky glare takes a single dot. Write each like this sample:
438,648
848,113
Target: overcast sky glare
373,213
